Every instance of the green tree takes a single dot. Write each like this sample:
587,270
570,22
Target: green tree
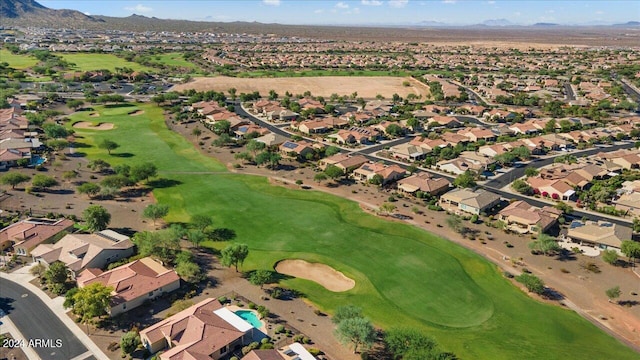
144,171
610,257
43,182
201,221
377,179
189,271
96,217
531,282
57,144
129,342
74,104
91,189
413,123
320,177
465,180
221,127
196,132
92,301
108,145
531,171
333,172
394,130
346,312
234,254
631,249
522,187
613,293
196,237
403,341
55,131
455,223
98,165
260,277
57,274
357,331
164,244
255,146
155,212
387,208
545,244
14,179
331,150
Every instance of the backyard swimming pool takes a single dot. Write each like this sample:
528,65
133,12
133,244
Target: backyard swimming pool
249,316
37,160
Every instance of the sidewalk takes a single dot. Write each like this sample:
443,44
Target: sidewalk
7,326
22,277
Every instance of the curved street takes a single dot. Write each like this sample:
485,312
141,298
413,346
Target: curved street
37,322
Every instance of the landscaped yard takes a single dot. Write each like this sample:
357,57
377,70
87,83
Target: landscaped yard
173,59
404,276
17,61
89,62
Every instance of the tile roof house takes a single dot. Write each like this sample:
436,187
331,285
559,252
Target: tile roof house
389,173
293,351
423,182
25,235
557,189
271,139
601,234
81,251
524,218
446,121
205,330
296,149
346,162
407,151
469,201
133,283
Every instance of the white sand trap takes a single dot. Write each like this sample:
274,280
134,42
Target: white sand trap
322,274
136,113
88,125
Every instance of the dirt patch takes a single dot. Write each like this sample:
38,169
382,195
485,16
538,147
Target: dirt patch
366,86
325,275
136,113
88,125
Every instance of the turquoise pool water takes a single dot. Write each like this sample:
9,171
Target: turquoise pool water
37,160
250,317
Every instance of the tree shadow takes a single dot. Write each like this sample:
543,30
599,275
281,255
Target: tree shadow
163,183
123,155
77,154
80,145
566,255
553,294
124,231
628,303
6,304
60,191
115,106
223,234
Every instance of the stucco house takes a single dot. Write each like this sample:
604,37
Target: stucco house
25,235
524,218
206,330
469,201
601,234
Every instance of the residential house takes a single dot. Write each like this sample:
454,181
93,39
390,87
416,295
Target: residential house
449,122
81,251
475,134
428,144
357,135
25,235
290,352
469,201
312,126
205,330
495,149
602,234
346,162
272,139
454,139
132,283
556,189
524,218
525,129
389,173
409,152
298,149
629,202
243,130
423,182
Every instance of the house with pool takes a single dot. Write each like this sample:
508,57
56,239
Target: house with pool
206,330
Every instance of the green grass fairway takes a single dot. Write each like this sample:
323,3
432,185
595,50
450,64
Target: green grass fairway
18,62
404,276
89,62
173,59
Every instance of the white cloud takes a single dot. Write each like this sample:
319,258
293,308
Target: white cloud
551,11
371,2
517,13
355,11
87,13
342,5
449,1
319,11
491,2
271,2
599,12
139,8
398,3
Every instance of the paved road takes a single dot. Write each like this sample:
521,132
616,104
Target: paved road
274,129
36,321
569,91
632,92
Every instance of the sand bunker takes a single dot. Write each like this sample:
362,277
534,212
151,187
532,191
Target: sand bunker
95,114
322,274
88,125
136,113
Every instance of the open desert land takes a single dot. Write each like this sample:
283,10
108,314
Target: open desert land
367,86
403,274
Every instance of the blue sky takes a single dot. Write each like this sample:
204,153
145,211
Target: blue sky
458,12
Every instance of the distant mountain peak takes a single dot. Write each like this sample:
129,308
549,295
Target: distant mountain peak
35,14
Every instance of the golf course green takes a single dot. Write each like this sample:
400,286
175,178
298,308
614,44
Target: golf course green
404,276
